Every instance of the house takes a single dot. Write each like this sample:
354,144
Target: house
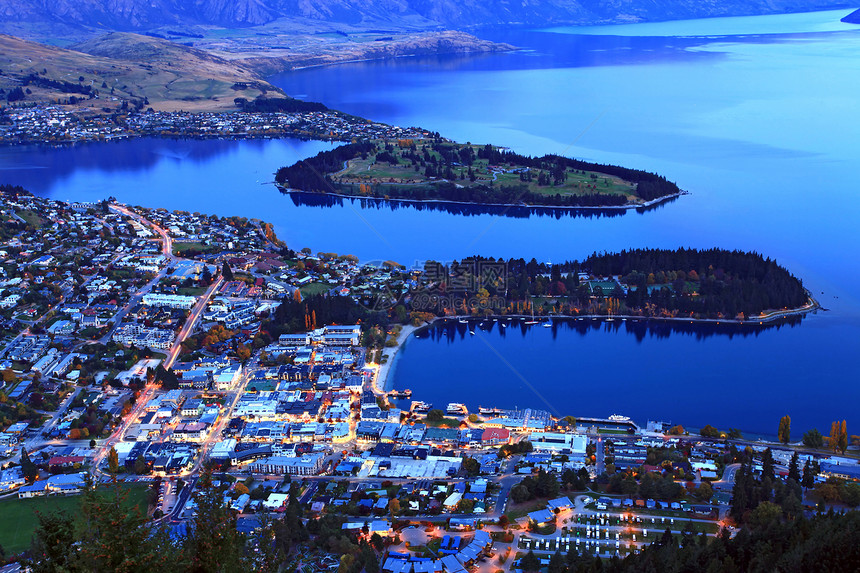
66,484
495,436
560,504
542,517
36,489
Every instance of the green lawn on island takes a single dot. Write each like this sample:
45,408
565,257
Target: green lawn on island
19,519
383,174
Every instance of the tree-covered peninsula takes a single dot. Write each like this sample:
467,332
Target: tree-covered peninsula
689,284
440,170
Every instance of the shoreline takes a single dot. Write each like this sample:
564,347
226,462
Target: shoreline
381,384
384,381
645,205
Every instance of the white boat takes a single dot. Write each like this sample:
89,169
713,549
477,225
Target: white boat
530,322
619,418
472,332
504,325
421,407
547,324
457,409
489,411
463,321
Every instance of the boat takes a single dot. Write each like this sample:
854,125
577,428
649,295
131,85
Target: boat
504,325
472,332
489,411
547,324
463,321
530,322
456,408
618,418
420,407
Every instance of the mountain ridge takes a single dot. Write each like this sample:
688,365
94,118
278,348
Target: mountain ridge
142,15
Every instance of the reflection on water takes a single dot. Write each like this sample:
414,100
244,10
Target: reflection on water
305,199
640,329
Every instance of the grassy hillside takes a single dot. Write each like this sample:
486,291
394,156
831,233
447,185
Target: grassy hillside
124,66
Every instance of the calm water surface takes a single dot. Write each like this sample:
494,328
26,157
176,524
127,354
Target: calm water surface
756,117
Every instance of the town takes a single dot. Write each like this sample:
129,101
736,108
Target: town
149,348
55,124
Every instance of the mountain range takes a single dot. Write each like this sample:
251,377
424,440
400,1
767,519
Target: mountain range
142,15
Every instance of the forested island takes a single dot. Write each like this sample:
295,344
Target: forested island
688,284
441,170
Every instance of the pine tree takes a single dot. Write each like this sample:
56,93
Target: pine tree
28,468
767,465
118,538
556,564
227,272
794,468
213,544
52,543
808,479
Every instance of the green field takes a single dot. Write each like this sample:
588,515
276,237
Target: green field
381,175
19,519
314,288
191,291
179,248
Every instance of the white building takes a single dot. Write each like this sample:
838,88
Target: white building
170,300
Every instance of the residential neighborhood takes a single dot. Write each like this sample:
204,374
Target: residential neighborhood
158,347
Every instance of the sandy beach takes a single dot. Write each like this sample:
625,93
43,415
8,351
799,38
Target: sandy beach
382,382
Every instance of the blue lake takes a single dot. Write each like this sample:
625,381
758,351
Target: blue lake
757,117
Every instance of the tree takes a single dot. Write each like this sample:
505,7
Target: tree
530,562
767,465
709,432
113,461
676,430
784,432
52,543
227,272
118,538
471,466
794,468
435,415
556,564
834,436
704,492
843,437
28,468
213,543
808,479
813,439
394,507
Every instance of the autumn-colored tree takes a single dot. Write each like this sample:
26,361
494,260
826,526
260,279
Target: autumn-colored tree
843,437
113,460
834,436
784,431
